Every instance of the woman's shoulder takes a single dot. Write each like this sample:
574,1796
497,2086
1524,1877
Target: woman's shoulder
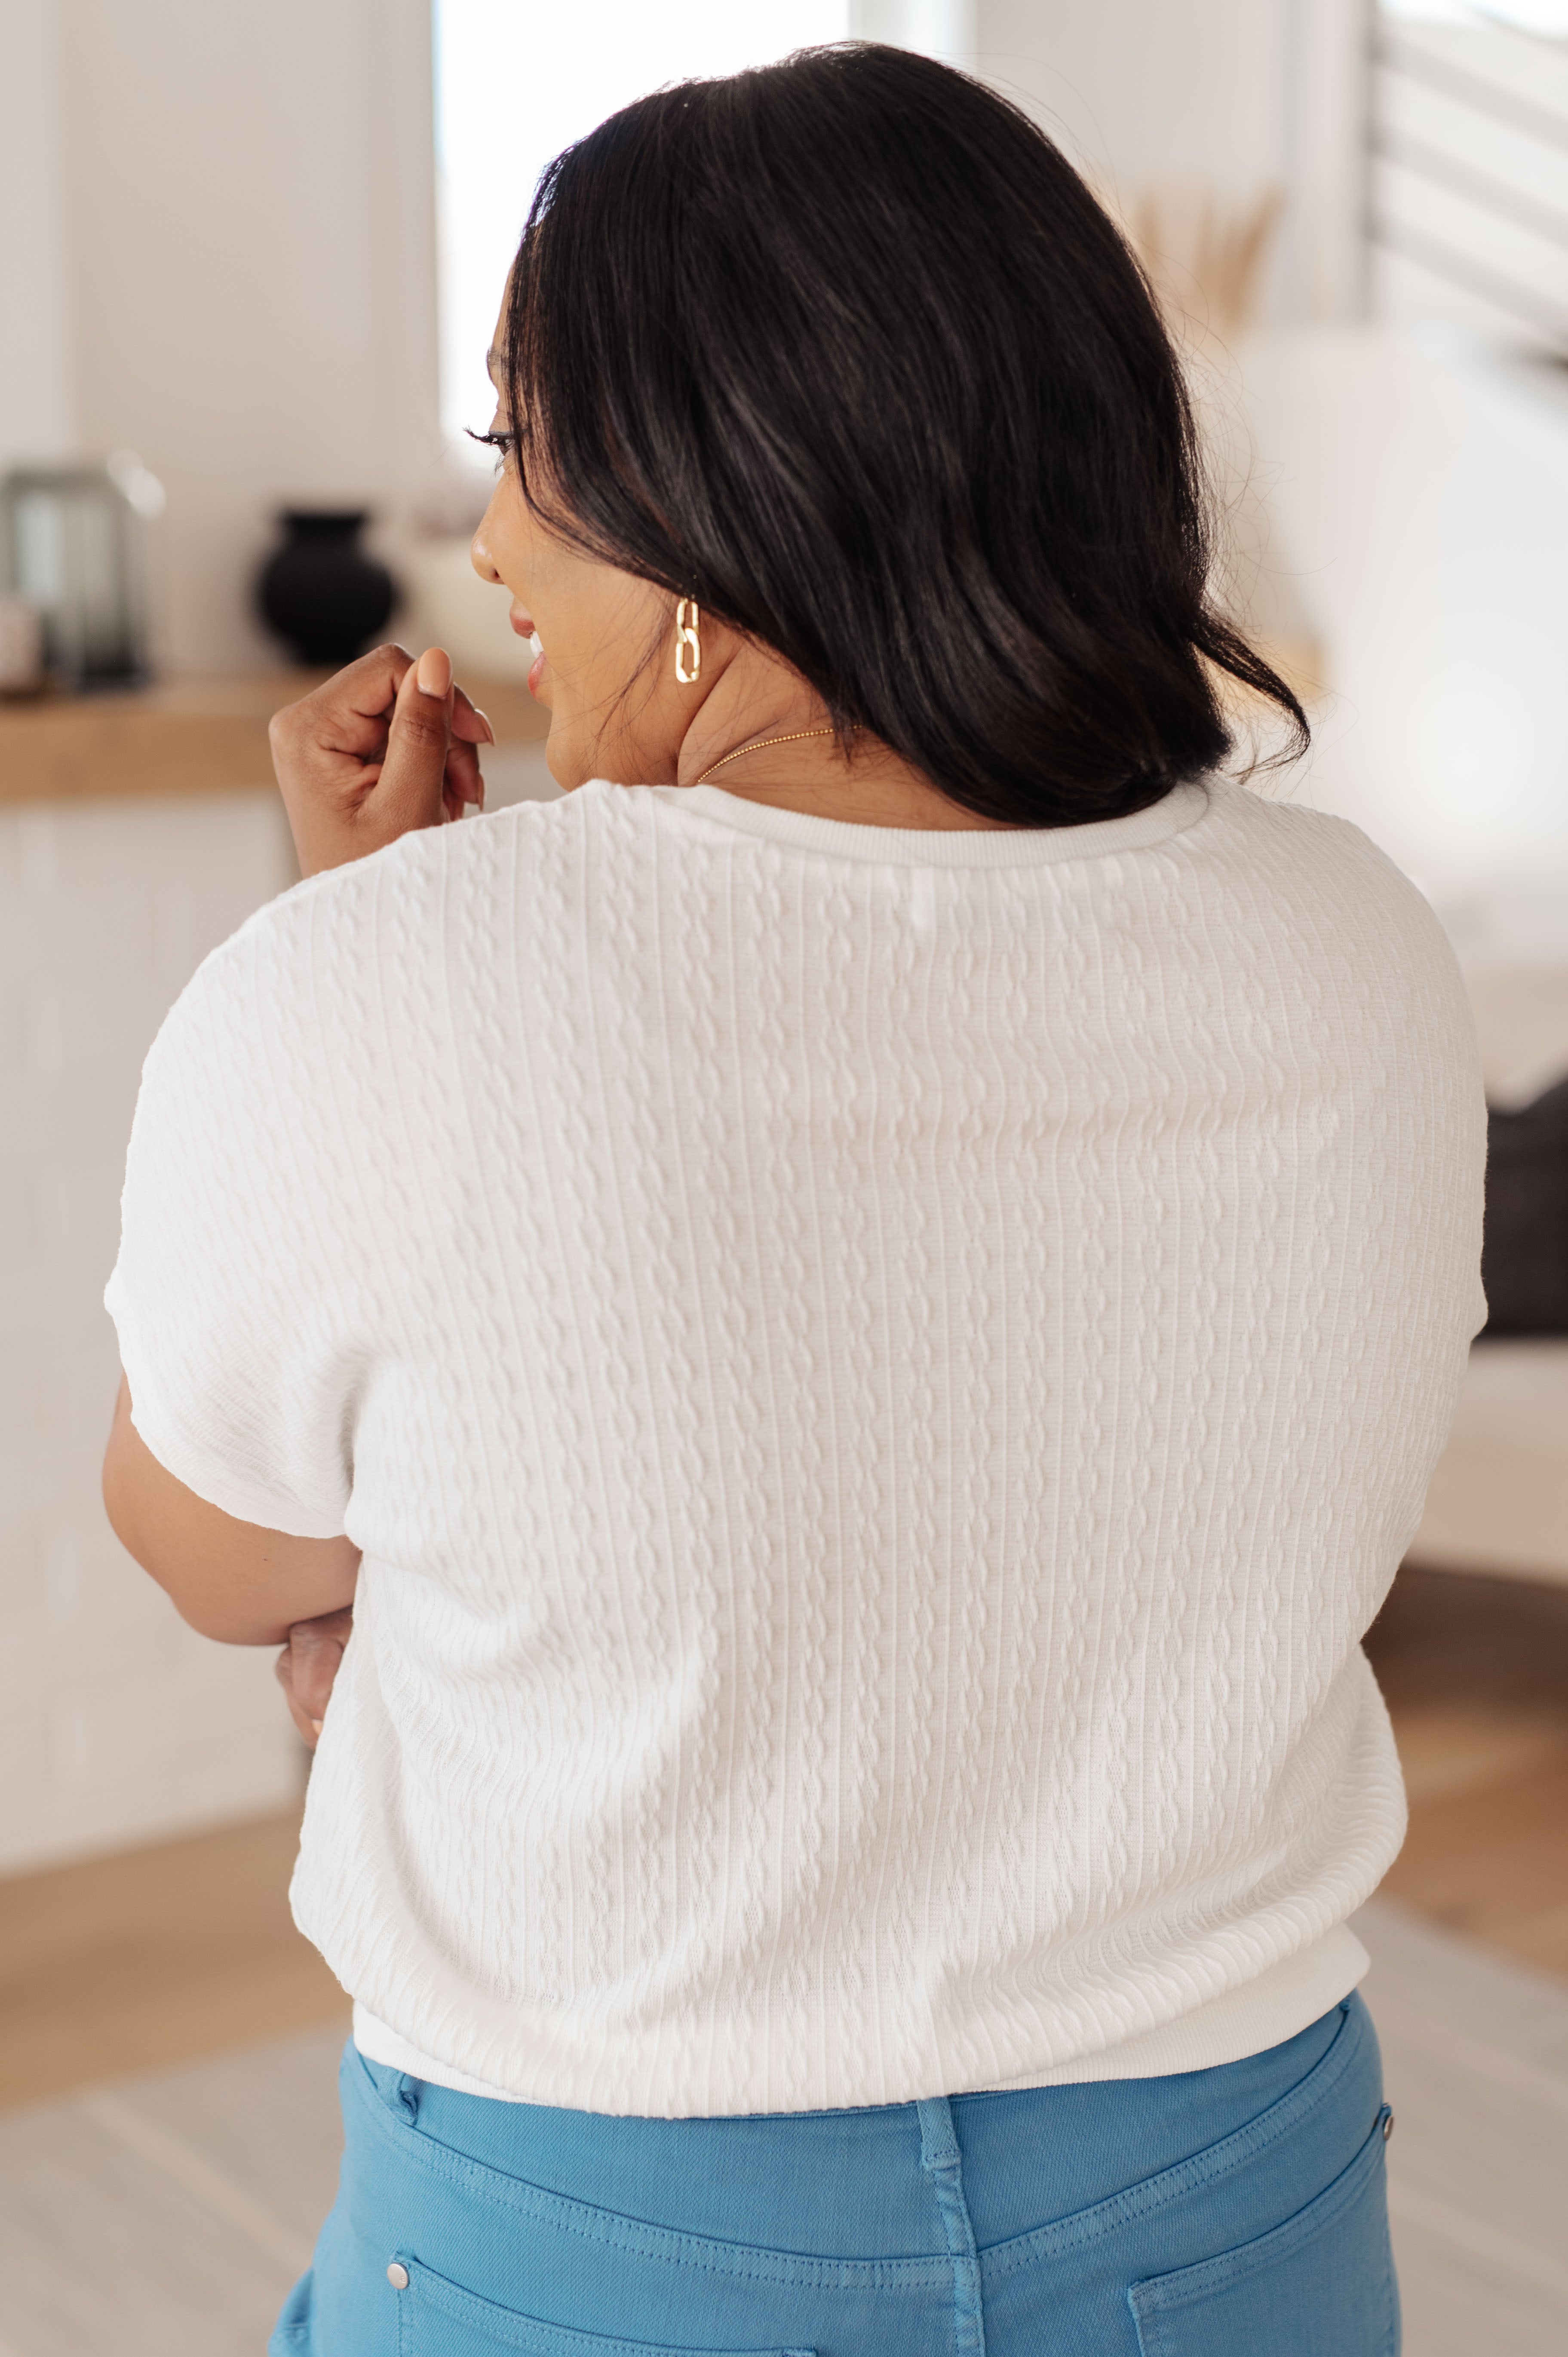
1318,858
393,895
338,961
1316,908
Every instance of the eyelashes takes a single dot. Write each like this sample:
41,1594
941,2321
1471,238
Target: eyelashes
502,444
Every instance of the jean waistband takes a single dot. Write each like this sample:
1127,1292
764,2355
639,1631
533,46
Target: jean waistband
869,2175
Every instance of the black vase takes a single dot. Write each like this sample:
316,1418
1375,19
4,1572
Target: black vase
321,592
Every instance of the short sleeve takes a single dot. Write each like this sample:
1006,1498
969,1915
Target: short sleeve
232,1295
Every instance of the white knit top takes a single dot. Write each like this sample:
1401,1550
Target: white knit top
879,1377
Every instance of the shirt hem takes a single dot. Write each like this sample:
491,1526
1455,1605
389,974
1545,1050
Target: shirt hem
1265,2011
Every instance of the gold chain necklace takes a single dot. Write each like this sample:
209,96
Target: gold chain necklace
794,737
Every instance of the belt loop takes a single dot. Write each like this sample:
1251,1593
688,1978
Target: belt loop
939,2139
939,2155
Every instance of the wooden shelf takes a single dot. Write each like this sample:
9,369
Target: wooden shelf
184,736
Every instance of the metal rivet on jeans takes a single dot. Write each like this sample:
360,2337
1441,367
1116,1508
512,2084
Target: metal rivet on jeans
1388,2125
397,2275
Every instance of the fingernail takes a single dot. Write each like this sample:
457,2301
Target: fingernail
432,675
489,732
318,1724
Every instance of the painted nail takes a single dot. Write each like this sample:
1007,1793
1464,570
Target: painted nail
432,675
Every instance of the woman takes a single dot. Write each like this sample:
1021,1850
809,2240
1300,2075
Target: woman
862,1308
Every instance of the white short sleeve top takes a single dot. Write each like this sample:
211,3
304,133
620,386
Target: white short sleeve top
880,1379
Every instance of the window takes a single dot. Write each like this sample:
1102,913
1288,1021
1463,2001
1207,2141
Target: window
1469,212
515,84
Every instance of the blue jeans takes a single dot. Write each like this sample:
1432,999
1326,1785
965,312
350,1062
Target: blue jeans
1232,2212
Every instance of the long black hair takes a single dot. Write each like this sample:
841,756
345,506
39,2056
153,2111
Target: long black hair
844,349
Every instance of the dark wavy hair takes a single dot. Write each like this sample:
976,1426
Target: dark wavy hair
844,349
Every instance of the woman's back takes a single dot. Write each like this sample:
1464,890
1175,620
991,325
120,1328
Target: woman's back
879,1378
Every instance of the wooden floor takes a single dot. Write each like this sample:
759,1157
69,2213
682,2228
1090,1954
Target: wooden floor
1475,1674
165,1956
152,1957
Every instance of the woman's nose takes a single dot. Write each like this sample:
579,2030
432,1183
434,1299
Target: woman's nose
479,554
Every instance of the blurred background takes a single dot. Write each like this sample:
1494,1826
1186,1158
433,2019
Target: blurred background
250,263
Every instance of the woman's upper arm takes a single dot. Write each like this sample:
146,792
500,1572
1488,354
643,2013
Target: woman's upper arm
239,1291
231,1579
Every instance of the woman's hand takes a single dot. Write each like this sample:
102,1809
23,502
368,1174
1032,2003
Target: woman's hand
308,1668
384,746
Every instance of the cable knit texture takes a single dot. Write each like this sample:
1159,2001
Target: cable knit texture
880,1379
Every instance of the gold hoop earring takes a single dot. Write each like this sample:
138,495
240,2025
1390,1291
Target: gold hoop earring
688,644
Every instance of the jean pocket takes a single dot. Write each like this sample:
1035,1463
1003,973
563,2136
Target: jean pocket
1320,2286
437,2318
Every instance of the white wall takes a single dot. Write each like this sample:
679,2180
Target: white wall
37,412
117,1722
1146,90
238,215
1235,94
1419,502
